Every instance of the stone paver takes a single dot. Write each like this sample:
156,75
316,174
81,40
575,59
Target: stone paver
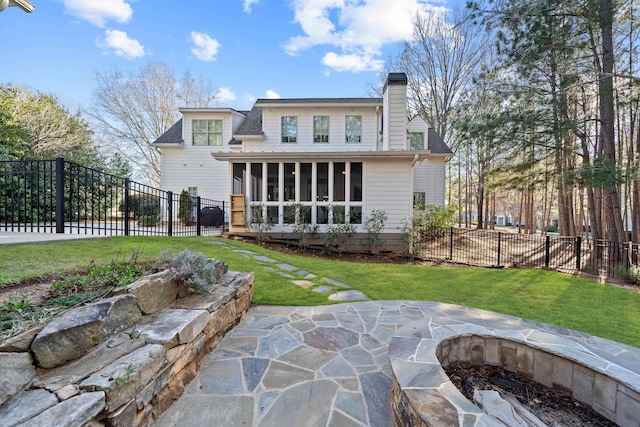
330,365
348,296
336,282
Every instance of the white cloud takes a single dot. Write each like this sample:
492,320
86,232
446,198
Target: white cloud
248,4
271,94
99,11
121,44
225,94
353,62
359,29
204,47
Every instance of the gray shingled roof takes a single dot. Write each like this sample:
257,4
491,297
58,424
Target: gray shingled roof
172,136
373,101
436,143
252,124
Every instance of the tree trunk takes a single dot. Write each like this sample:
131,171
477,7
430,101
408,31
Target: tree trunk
615,227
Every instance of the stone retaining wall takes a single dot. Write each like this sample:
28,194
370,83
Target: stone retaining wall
121,361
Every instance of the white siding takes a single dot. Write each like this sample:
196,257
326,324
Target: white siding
429,177
195,167
395,118
272,127
388,187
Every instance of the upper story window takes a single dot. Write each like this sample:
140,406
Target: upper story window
417,141
353,129
320,128
207,132
289,129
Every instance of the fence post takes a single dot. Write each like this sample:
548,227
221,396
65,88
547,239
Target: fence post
198,216
170,213
60,195
546,251
578,251
127,206
499,245
451,243
224,215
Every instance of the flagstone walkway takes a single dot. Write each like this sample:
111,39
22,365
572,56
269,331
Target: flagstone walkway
334,289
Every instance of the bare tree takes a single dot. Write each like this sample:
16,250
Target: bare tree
440,61
131,112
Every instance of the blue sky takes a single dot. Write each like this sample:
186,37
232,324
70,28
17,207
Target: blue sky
247,48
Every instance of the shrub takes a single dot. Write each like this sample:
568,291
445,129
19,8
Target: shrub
629,274
374,226
339,234
302,229
148,220
435,216
185,208
259,223
142,205
194,269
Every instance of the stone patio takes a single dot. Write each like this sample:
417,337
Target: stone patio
330,365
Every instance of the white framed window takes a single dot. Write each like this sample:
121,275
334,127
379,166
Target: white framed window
353,129
417,141
289,129
207,132
320,129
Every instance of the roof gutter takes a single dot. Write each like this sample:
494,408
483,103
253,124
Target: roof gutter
331,155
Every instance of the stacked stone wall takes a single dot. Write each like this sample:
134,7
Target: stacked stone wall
121,361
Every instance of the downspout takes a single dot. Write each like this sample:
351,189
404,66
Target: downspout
378,131
415,159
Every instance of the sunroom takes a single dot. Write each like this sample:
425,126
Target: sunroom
318,188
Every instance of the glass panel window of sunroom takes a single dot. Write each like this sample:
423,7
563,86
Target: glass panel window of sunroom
322,182
256,182
356,182
238,178
339,174
305,182
290,182
273,170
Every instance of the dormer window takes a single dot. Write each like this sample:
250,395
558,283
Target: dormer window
417,141
289,129
207,132
353,129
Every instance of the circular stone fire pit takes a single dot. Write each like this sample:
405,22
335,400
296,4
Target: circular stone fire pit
600,373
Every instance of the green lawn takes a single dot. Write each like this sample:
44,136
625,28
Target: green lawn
561,299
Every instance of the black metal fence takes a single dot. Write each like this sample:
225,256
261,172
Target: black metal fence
502,249
57,196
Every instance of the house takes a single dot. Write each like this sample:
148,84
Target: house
322,160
